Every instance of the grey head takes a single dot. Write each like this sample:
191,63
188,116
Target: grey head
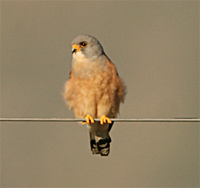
88,46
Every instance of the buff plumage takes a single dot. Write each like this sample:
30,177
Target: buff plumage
94,90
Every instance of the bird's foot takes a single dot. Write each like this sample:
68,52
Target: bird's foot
104,119
88,120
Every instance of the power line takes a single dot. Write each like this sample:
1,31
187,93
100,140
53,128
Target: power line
112,119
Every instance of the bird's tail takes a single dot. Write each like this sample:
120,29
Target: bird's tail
93,144
104,146
100,145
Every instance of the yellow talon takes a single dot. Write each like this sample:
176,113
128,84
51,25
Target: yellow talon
89,119
104,119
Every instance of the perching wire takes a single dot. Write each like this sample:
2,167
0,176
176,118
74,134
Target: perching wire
112,119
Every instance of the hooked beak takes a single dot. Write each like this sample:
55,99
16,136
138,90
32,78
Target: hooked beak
75,48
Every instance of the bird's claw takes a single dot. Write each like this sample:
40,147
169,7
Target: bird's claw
88,120
104,119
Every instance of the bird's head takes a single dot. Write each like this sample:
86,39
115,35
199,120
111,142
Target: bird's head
86,46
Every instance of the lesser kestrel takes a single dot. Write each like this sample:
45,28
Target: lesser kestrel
94,90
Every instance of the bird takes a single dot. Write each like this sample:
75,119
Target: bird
94,90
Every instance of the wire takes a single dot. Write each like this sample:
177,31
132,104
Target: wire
112,119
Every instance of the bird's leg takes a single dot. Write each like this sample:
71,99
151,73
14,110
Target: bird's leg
104,119
89,119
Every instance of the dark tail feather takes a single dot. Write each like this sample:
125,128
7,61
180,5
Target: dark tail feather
110,126
93,145
104,146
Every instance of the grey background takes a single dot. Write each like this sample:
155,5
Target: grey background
155,46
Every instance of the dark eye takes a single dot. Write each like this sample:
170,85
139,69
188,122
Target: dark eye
83,44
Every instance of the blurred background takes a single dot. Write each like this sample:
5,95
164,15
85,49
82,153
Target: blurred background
155,46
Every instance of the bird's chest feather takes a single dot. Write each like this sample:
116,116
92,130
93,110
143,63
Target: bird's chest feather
89,87
85,69
93,87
